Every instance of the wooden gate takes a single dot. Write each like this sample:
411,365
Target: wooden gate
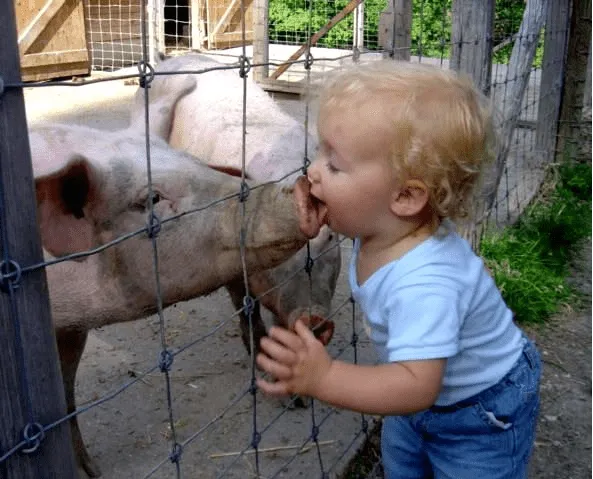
51,37
223,23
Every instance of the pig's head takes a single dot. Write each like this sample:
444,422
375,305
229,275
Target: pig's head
92,188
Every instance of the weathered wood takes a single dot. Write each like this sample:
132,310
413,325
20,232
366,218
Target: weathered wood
552,75
316,37
518,71
471,53
471,38
575,79
48,27
224,24
261,39
30,301
395,29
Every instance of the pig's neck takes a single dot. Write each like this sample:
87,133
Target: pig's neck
82,297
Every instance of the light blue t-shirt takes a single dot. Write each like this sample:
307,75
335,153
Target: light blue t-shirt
439,301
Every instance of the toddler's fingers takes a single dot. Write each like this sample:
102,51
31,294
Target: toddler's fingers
277,351
286,337
276,369
273,389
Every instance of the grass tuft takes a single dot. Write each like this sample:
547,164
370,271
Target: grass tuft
530,259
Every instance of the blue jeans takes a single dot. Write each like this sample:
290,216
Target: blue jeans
488,436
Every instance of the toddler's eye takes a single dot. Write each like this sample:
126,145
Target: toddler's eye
331,168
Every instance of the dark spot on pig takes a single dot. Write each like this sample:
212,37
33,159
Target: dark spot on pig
122,175
165,111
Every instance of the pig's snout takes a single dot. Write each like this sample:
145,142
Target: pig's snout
322,328
310,211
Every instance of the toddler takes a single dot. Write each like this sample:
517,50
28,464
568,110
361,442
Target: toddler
401,149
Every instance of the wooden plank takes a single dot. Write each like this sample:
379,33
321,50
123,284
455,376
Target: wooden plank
38,24
575,79
41,397
472,30
226,17
395,27
45,58
51,38
315,38
230,37
552,76
261,41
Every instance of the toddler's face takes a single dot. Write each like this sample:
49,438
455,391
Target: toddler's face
351,173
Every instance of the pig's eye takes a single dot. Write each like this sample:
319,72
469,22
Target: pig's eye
142,205
155,198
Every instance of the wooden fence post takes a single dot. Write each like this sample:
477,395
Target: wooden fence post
552,77
471,39
41,399
573,96
395,29
471,53
261,40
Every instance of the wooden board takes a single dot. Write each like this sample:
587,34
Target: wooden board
51,38
224,29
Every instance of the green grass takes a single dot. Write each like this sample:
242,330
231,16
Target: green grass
530,259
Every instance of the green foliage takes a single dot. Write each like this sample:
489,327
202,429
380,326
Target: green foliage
529,260
431,28
431,25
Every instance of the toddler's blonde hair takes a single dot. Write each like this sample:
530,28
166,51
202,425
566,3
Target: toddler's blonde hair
440,125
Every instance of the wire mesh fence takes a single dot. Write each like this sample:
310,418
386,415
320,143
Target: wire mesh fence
234,440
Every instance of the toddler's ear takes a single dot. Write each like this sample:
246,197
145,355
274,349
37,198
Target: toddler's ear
410,199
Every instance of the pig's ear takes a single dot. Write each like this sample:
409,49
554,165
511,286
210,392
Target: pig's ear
63,198
162,103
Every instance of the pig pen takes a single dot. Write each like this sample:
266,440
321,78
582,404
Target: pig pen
130,435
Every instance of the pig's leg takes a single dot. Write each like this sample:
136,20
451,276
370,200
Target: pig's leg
237,293
71,345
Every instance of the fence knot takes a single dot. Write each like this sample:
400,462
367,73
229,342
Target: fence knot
146,71
314,433
248,305
308,60
351,299
244,191
175,454
244,66
154,225
255,440
165,360
10,275
33,434
309,262
354,340
306,164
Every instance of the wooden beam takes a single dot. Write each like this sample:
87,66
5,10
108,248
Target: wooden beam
223,21
38,24
315,38
29,344
49,58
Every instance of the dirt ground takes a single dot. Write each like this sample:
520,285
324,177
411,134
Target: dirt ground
130,435
563,442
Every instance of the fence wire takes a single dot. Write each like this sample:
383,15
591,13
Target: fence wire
523,172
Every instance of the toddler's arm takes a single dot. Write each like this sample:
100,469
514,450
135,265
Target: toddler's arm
302,366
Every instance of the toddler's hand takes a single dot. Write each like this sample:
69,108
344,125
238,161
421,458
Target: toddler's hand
297,360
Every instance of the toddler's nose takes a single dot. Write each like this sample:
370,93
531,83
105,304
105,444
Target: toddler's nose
313,172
